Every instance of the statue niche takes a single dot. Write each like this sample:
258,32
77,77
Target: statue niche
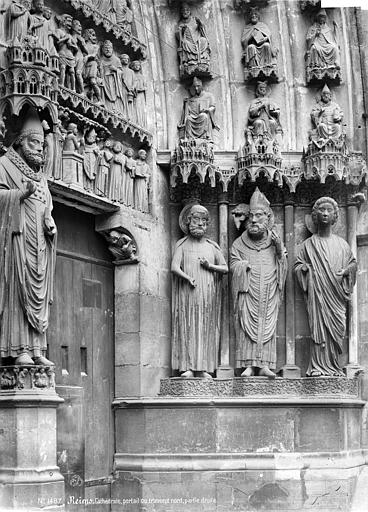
263,135
259,53
326,271
323,53
193,46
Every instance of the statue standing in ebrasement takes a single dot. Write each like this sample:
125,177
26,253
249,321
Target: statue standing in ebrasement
323,54
326,270
198,116
327,118
193,45
259,53
27,248
259,267
197,265
263,116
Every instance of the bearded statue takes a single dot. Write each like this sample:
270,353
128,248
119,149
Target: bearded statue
197,265
27,248
259,265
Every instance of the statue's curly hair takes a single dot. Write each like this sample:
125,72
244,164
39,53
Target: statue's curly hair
320,201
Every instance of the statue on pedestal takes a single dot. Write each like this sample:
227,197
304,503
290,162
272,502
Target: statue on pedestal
326,270
259,54
198,116
263,116
193,45
323,54
197,265
259,267
327,117
27,248
18,20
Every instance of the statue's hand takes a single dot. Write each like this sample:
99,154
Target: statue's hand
50,226
205,263
276,240
342,273
30,189
192,282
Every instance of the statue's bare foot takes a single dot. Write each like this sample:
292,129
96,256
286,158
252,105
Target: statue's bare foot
315,373
23,359
43,361
187,375
205,375
248,372
266,372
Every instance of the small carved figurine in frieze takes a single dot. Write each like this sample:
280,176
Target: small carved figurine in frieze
323,54
72,140
103,169
259,53
117,166
197,265
127,78
18,20
198,116
259,267
326,270
193,45
141,182
49,29
263,116
91,75
67,48
27,248
140,87
327,118
90,159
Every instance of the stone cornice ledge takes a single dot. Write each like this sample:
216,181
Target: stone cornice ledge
256,461
185,402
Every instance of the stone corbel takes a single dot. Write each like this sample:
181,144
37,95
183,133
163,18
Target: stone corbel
122,246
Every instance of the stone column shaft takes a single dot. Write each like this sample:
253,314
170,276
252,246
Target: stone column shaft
352,219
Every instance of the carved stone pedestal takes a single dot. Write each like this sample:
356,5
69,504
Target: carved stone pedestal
29,476
240,447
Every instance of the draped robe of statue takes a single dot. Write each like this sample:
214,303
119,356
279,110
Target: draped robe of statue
141,177
257,284
263,117
326,296
140,86
127,83
90,160
109,68
194,47
18,21
27,260
196,315
198,124
323,51
103,170
328,120
116,176
257,54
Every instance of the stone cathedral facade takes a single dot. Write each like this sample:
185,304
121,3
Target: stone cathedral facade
183,256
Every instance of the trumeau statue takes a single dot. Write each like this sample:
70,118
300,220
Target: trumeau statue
193,45
326,271
197,265
327,118
27,248
198,116
323,54
259,267
259,53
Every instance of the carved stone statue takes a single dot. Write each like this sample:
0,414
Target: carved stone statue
103,170
123,15
72,141
81,50
193,45
27,248
116,172
122,247
259,54
18,19
323,54
259,267
39,27
197,265
263,115
49,29
90,159
90,70
326,271
198,116
110,66
140,87
127,85
141,182
127,191
67,49
327,117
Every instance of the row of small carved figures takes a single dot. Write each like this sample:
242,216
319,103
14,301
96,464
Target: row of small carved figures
86,66
27,377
